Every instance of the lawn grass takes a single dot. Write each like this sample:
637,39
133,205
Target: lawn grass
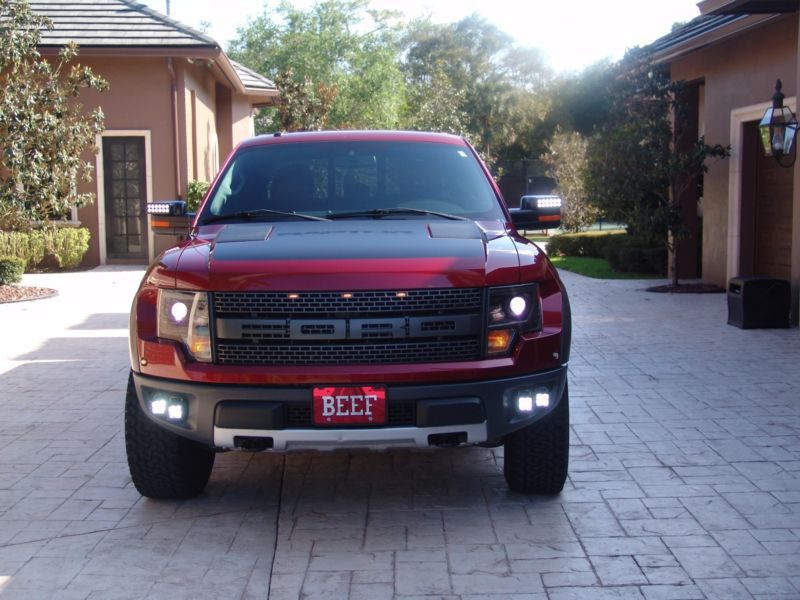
596,232
597,268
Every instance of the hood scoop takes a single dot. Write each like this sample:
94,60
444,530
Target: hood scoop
462,230
244,232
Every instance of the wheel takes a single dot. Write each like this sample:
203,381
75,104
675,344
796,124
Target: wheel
163,465
537,456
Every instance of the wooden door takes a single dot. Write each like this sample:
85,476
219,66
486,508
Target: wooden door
125,197
773,218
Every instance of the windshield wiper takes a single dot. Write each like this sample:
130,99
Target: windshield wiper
379,213
259,212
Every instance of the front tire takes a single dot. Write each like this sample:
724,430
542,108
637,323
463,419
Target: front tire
537,456
163,465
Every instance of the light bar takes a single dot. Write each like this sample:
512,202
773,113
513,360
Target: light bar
172,208
549,202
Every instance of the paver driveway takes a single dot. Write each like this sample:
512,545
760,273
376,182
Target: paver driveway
684,479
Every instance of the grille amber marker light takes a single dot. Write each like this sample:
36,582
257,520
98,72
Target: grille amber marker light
293,296
401,294
347,295
201,346
499,340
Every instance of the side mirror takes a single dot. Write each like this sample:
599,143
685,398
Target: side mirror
169,217
537,212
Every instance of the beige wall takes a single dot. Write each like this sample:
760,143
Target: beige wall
139,98
242,117
224,121
738,73
201,126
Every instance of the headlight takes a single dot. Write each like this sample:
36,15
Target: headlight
183,317
512,310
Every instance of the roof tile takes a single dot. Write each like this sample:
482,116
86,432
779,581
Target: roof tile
115,23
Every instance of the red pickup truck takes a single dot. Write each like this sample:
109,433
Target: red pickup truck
346,290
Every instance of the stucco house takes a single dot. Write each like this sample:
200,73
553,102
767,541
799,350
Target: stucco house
731,57
176,106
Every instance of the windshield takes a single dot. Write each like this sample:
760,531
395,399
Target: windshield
327,178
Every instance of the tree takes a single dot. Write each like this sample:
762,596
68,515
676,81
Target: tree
638,162
566,163
338,59
435,104
43,128
303,106
582,101
501,86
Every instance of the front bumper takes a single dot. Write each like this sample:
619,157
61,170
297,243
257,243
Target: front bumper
258,417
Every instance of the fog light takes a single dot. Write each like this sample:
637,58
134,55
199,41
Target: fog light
170,407
542,398
158,407
525,403
175,412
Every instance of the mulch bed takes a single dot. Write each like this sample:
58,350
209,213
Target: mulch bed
687,288
20,293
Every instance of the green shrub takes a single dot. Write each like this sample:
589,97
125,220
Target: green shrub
580,244
27,245
195,193
11,269
630,254
49,247
67,245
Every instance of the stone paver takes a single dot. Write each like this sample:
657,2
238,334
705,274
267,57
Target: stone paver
684,479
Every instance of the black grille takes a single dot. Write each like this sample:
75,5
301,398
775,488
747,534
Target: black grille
348,328
398,414
255,331
344,354
298,414
433,301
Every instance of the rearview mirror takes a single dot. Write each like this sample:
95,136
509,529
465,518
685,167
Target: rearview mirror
169,217
537,212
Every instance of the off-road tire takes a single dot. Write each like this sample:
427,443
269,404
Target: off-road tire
537,456
163,465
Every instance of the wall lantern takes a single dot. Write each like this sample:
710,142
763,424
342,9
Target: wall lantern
778,130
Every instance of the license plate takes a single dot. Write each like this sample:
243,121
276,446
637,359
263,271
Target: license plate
350,405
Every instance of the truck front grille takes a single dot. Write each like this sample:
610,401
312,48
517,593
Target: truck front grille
338,354
358,328
355,303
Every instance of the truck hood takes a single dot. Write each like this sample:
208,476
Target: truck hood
348,255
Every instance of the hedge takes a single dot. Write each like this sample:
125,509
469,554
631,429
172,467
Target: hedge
634,255
580,244
11,269
47,248
624,253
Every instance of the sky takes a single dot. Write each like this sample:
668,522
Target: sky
572,35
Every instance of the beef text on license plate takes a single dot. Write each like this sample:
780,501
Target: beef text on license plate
350,405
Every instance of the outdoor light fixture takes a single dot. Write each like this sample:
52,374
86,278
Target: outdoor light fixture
778,130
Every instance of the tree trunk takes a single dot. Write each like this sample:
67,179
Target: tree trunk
674,261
